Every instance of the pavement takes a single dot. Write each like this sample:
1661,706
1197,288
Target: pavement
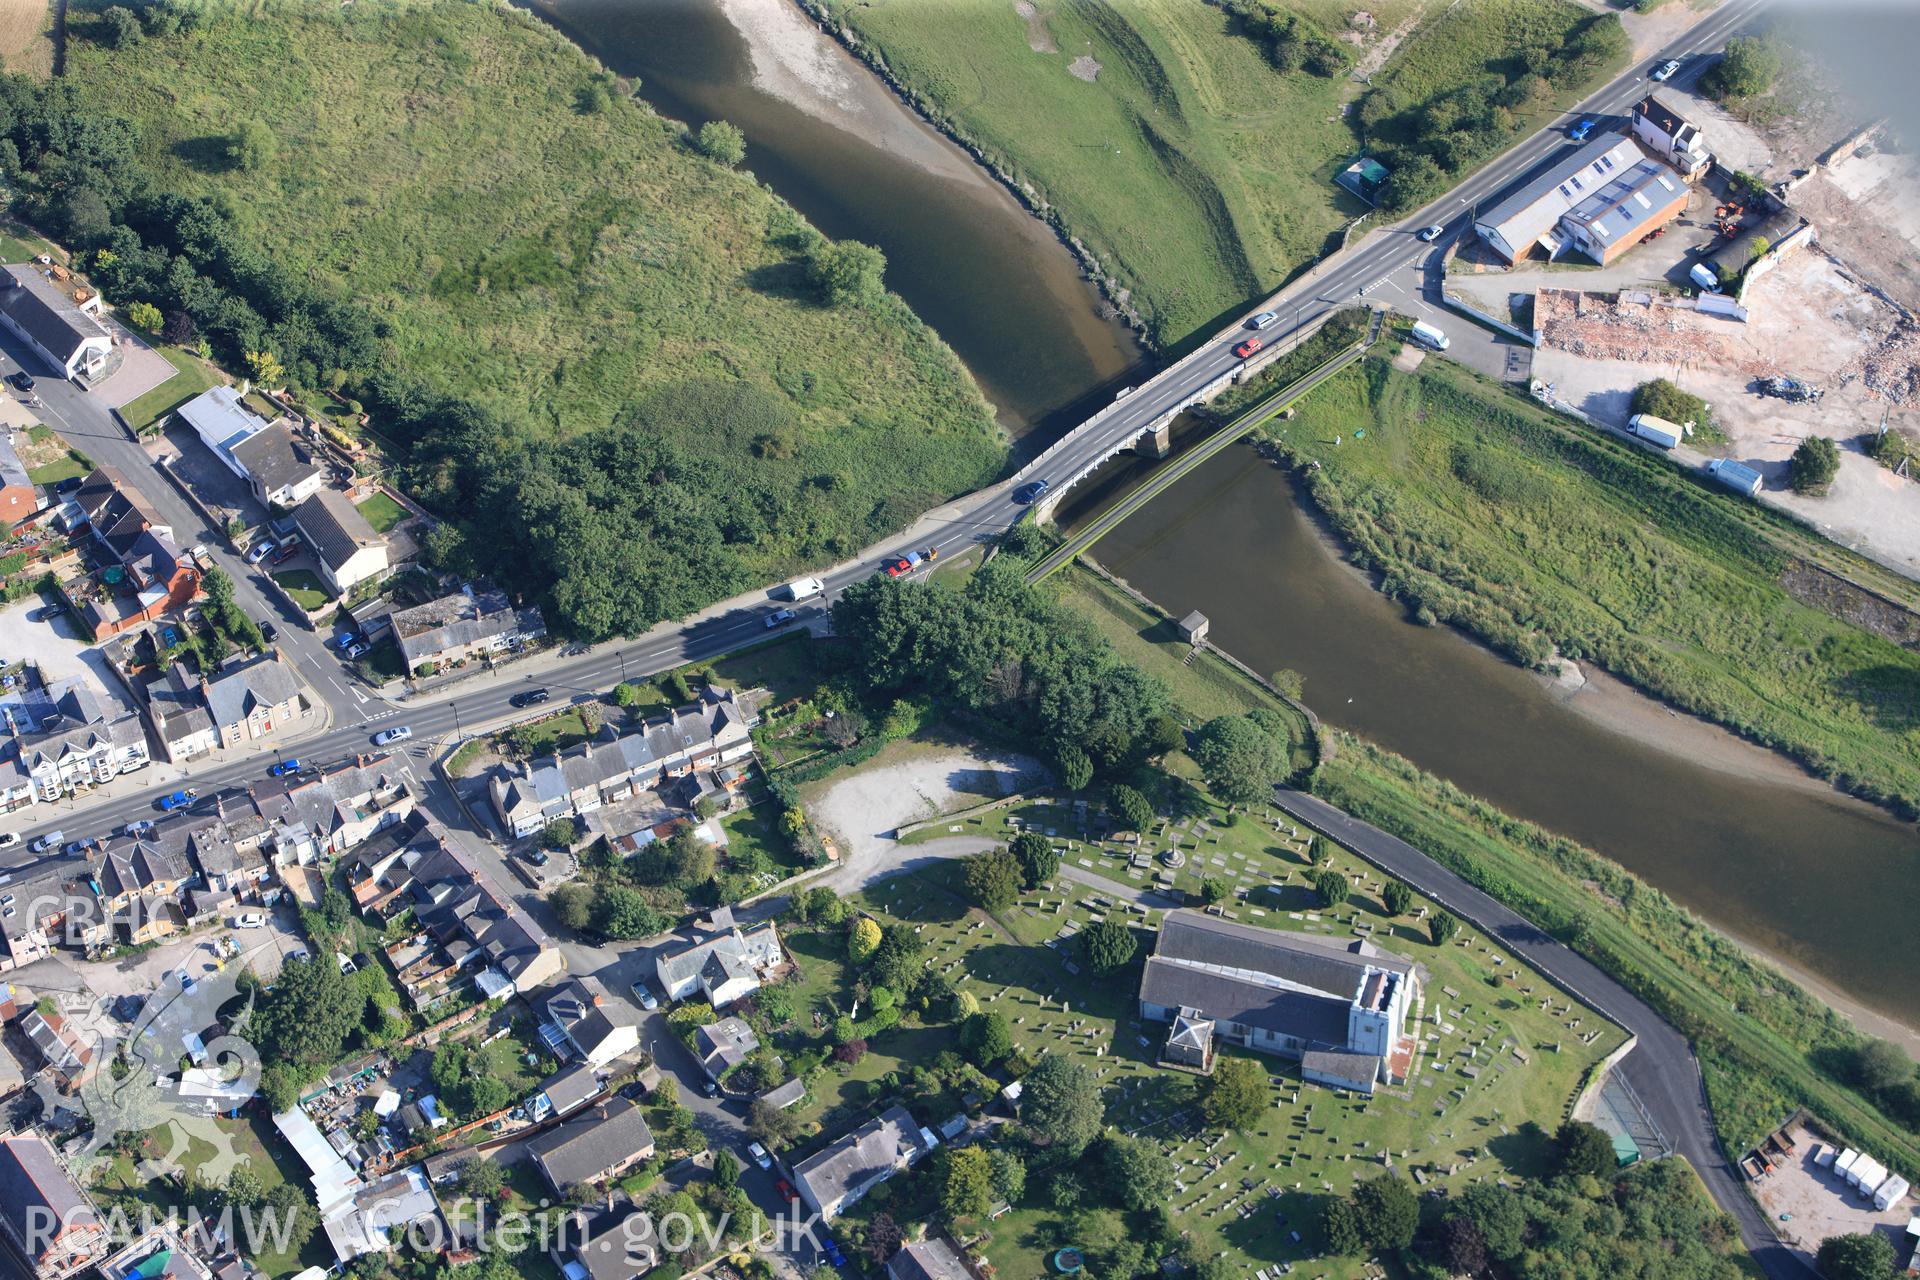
1661,1068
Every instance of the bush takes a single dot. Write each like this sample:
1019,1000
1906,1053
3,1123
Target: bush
722,143
1815,463
251,148
1748,67
846,272
1663,399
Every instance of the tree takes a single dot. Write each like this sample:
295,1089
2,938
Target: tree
1134,809
1661,398
1583,1148
1331,886
722,143
1136,1171
626,695
986,1038
1462,1249
251,147
1814,464
1747,67
884,1238
572,905
119,29
726,1170
1340,1224
1107,946
1881,1064
1237,1094
1389,1211
1122,1259
1074,765
1038,859
1442,927
486,1094
1396,898
1060,1104
1009,1174
620,912
1239,759
965,1005
691,861
863,940
966,1190
266,368
144,315
1213,889
1499,1215
559,834
846,273
1161,734
992,878
1855,1257
308,1016
482,1179
288,1216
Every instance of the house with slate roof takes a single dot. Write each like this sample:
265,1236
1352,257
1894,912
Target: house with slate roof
345,546
602,1142
48,1219
139,885
615,766
252,700
929,1259
470,621
466,929
279,469
1328,1004
145,576
583,1025
723,962
840,1173
66,334
68,739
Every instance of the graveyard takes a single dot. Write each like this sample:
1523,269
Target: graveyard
1501,1052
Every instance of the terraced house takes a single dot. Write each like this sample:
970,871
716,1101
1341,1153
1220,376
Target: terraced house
65,740
613,766
468,622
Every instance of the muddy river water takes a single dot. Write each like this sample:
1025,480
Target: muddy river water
1824,884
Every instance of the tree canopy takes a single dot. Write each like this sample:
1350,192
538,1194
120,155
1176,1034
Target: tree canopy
1815,462
1747,67
1060,1104
1240,759
1237,1093
1107,946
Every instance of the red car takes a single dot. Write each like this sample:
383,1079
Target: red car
1248,347
785,1190
897,566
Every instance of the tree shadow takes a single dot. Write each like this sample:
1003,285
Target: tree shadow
1889,695
784,279
205,154
1527,1151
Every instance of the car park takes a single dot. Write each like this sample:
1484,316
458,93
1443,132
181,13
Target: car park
1667,69
1265,320
139,826
1433,233
1248,347
399,733
760,1156
1580,130
780,618
48,841
1030,491
261,552
529,698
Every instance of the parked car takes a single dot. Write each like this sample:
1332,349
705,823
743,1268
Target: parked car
1580,131
358,651
709,1088
178,800
1030,491
268,632
80,846
284,768
780,618
8,839
261,551
22,380
288,550
785,1191
1667,69
139,826
760,1156
51,840
530,698
831,1248
1433,233
644,994
250,920
347,639
1248,347
399,733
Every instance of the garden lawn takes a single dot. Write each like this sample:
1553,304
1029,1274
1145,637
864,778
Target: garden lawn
74,465
1483,509
305,587
752,830
191,376
1482,1010
382,512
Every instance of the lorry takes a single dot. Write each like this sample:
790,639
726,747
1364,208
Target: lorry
1737,476
1655,430
1430,336
803,589
900,565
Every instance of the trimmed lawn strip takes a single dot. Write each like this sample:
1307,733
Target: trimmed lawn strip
305,587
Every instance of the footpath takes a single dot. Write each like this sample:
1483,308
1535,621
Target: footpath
1661,1069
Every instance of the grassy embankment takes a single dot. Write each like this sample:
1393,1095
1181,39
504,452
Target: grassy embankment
542,245
1481,509
1198,173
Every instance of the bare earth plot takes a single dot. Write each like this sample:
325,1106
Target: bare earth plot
1812,319
26,37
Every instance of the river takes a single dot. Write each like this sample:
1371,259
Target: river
1822,883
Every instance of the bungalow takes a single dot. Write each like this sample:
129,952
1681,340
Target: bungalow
840,1173
279,470
579,1025
602,1142
726,964
721,1046
463,624
252,700
47,1218
349,552
615,766
65,333
929,1259
567,1090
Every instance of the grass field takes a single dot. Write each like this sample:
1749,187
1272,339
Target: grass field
192,375
1760,1035
1482,509
382,512
1490,1122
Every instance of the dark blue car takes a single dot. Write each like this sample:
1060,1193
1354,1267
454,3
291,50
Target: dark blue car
1580,131
284,768
1030,491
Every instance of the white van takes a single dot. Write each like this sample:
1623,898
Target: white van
804,588
1427,335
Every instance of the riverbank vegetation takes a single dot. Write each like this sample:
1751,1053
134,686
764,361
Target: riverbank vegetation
1191,148
1765,1045
605,355
1481,509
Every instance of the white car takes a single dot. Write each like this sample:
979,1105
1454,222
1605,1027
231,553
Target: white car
8,839
139,826
250,920
261,552
1265,320
399,733
1433,233
760,1156
1667,69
